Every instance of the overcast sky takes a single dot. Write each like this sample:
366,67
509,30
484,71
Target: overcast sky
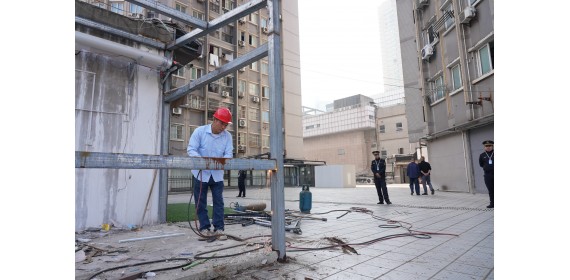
340,50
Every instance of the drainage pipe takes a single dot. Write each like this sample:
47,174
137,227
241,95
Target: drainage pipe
141,57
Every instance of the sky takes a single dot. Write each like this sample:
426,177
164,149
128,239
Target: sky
340,50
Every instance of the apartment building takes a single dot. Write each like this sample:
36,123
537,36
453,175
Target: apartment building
245,92
348,135
449,100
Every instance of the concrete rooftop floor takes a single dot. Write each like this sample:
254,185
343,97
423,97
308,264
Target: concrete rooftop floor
461,245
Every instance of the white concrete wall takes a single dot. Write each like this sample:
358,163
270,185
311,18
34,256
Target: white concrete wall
335,176
117,111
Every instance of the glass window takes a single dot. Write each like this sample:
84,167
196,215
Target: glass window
254,114
382,129
265,116
437,89
254,140
135,9
117,7
456,77
241,86
449,21
254,89
176,131
399,126
253,66
199,15
253,18
264,68
384,154
252,41
263,22
195,73
179,7
242,138
486,58
265,141
265,91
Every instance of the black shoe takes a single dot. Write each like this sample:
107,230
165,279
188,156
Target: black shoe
432,191
238,196
424,193
381,202
412,193
388,202
243,195
490,206
418,194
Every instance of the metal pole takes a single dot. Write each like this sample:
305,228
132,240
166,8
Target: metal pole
276,129
164,143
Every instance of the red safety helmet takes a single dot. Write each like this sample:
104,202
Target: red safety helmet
223,114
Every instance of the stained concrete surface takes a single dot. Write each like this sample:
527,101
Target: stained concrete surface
459,243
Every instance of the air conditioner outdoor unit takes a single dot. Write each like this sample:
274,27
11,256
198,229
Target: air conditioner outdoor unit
467,14
255,99
225,94
241,43
242,69
240,94
241,147
427,51
422,3
177,111
265,30
241,20
242,123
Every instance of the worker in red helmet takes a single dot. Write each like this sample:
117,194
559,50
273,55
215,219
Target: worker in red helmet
213,141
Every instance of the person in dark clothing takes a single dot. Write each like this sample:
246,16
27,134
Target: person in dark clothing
378,167
413,172
425,169
242,174
487,161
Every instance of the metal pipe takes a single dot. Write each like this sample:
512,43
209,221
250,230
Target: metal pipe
144,58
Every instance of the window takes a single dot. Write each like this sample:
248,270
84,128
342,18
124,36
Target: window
198,14
265,91
135,9
265,116
254,140
242,140
253,66
437,89
179,72
384,154
401,151
227,32
264,68
254,114
117,7
265,142
263,22
340,151
180,7
399,126
431,36
485,58
253,89
241,86
382,129
227,5
456,77
310,126
253,18
195,73
449,21
177,132
252,41
215,7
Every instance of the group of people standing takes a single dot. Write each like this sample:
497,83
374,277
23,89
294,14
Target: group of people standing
422,171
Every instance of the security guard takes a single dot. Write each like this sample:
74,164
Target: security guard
487,162
378,167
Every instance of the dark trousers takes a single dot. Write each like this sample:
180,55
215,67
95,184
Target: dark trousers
381,189
490,183
414,182
241,186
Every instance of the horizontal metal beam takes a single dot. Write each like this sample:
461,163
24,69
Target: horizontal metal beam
170,12
219,22
138,161
235,64
121,33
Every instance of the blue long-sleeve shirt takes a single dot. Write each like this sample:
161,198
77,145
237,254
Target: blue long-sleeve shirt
413,170
203,143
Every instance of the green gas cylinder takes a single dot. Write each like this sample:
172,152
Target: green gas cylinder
305,200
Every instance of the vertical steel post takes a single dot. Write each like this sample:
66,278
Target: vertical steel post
276,129
164,143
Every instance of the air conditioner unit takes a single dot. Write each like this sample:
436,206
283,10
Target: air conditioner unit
240,94
265,30
242,69
241,147
241,43
255,99
177,111
422,3
467,15
427,52
241,20
225,94
242,123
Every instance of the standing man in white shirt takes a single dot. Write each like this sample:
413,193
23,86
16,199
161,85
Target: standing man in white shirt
211,140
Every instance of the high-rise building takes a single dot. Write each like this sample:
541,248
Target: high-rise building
391,55
447,51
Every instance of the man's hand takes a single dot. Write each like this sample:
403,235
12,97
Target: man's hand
377,175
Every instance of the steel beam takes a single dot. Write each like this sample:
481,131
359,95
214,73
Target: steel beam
235,64
121,33
139,161
219,22
170,12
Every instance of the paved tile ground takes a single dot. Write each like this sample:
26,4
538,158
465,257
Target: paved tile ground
459,243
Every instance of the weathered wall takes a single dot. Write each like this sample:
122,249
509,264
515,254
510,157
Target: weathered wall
117,110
